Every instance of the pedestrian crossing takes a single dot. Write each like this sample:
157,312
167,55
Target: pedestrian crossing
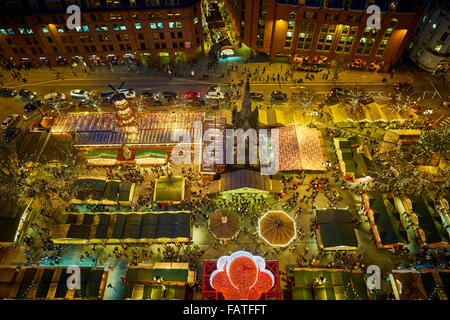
443,121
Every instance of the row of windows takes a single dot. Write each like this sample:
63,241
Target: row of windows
346,39
84,28
104,47
97,17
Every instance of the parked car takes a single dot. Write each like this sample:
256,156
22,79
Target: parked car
339,92
192,95
403,87
27,94
54,97
214,95
6,92
10,120
10,134
152,97
79,94
29,107
128,93
278,96
169,95
256,96
335,94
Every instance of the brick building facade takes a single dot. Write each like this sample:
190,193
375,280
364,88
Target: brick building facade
148,31
286,29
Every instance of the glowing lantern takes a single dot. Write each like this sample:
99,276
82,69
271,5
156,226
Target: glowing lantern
241,276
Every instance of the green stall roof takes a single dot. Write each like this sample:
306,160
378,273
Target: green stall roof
102,154
150,153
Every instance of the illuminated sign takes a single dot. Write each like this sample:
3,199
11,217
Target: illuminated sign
241,276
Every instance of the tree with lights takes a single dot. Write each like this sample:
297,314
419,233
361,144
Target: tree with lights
403,170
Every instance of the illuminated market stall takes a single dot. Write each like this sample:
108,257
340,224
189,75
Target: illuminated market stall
300,148
329,284
384,220
165,280
130,227
224,223
45,282
335,230
277,228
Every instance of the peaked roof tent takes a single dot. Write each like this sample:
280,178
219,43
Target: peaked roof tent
244,180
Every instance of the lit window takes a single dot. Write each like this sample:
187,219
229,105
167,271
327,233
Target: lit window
178,24
434,26
60,29
104,28
10,31
44,29
21,30
115,27
160,25
195,20
2,31
171,25
123,27
138,25
85,28
152,25
438,48
78,28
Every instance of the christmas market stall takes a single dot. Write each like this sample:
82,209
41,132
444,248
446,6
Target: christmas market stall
329,284
301,148
277,228
169,190
384,220
45,282
224,223
130,227
165,280
426,222
335,230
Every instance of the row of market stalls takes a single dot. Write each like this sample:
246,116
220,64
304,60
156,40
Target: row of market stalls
428,223
50,283
329,284
420,284
164,280
353,157
97,130
130,227
372,113
112,157
100,191
389,216
385,220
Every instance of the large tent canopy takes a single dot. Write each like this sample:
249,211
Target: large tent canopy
224,223
277,228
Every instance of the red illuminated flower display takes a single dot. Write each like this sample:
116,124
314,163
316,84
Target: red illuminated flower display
241,276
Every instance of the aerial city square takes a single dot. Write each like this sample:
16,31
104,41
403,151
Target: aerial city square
224,150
